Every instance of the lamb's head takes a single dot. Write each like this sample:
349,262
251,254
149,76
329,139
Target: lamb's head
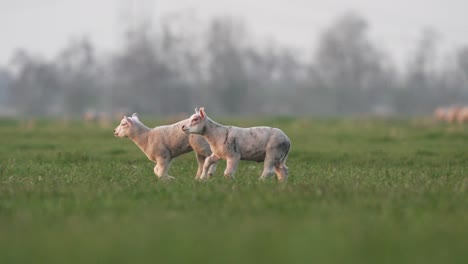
196,124
127,126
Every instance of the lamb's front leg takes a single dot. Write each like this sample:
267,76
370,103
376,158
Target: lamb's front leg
201,162
206,166
162,167
231,166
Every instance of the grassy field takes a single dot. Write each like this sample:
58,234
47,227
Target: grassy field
360,191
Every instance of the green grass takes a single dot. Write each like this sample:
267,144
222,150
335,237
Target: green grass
360,191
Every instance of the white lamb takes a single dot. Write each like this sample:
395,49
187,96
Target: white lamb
233,144
452,113
462,115
440,114
164,143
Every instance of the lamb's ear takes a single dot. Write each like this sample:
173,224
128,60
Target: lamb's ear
196,110
130,121
135,115
202,112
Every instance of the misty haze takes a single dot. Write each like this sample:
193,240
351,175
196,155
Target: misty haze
169,65
233,131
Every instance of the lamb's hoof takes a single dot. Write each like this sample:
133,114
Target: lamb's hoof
282,180
203,178
167,178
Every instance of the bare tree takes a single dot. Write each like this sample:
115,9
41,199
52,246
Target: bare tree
5,80
146,73
228,78
175,66
35,87
79,75
462,62
349,65
422,82
275,77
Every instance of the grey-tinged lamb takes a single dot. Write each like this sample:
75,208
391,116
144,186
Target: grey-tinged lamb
267,144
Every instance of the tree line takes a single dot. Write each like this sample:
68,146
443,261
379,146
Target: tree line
164,70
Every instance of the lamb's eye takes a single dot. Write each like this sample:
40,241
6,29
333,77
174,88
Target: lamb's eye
195,120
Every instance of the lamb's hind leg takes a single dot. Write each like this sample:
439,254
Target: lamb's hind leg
282,170
268,167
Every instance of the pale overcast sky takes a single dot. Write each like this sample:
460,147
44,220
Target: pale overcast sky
45,26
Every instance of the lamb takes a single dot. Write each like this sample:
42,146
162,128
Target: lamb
440,114
164,143
267,144
452,113
462,115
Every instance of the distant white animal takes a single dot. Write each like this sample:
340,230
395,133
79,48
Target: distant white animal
462,115
233,144
164,143
452,113
90,116
440,114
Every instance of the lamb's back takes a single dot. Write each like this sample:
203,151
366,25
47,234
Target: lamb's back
172,138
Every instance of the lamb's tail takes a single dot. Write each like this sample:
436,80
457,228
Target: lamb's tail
285,156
